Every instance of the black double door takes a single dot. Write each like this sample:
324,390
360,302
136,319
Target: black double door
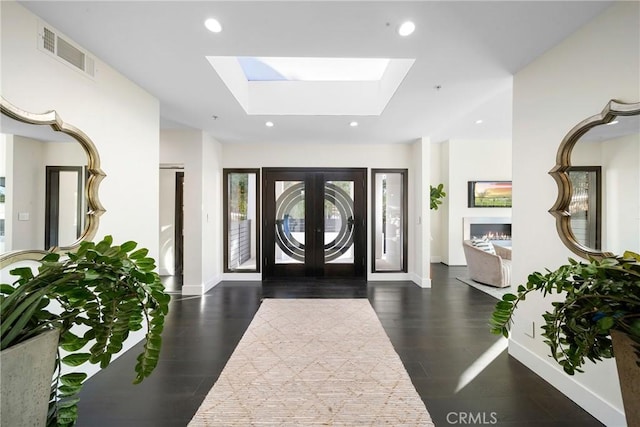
314,223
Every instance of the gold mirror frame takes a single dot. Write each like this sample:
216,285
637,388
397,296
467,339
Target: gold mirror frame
560,210
94,207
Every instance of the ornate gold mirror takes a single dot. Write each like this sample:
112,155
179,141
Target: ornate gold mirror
598,176
49,178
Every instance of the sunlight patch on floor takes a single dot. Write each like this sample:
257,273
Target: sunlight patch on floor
481,363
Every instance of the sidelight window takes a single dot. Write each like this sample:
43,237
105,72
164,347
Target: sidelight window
241,228
389,210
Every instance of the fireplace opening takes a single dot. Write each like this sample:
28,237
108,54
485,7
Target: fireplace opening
491,231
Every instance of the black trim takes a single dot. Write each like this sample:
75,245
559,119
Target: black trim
225,219
52,206
314,264
471,200
178,237
404,216
598,222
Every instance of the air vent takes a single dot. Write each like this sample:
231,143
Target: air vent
70,54
51,42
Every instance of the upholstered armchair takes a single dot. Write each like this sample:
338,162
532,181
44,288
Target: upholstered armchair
488,266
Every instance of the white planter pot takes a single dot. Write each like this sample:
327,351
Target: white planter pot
26,370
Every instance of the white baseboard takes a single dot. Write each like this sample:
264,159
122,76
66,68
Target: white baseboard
192,290
423,282
200,289
249,277
582,396
211,283
388,277
436,259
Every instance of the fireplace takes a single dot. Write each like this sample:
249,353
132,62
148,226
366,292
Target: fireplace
497,229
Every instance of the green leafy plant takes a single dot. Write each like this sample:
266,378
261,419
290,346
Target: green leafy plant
109,290
437,194
599,296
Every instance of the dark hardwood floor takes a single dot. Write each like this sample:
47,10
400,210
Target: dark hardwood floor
437,332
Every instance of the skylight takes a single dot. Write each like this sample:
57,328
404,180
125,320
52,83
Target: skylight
311,86
313,69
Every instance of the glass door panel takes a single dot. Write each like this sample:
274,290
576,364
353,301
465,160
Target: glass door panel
338,222
290,222
68,218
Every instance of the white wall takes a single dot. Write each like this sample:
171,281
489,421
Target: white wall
569,83
212,237
438,236
463,161
200,156
25,196
116,114
420,223
400,156
120,118
316,155
3,172
621,207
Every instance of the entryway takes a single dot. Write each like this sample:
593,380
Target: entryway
314,223
171,210
64,205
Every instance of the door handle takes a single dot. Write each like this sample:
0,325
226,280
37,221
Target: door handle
350,222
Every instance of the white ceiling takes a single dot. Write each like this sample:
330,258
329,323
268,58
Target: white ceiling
469,50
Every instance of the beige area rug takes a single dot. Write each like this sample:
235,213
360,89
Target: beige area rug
313,362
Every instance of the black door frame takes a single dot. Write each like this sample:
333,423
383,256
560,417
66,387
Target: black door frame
52,205
178,238
314,265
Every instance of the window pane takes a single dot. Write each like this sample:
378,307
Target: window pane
290,221
241,219
338,222
68,221
389,221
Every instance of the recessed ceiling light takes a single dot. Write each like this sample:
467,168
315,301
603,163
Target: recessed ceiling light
406,28
269,124
353,124
213,25
478,121
612,123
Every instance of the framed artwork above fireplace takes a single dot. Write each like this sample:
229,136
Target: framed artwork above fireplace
489,194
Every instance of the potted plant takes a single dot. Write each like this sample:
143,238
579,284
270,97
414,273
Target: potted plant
598,314
105,291
437,194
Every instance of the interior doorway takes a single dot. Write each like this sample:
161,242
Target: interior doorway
315,223
64,205
171,260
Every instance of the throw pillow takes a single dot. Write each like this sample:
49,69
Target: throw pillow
483,244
